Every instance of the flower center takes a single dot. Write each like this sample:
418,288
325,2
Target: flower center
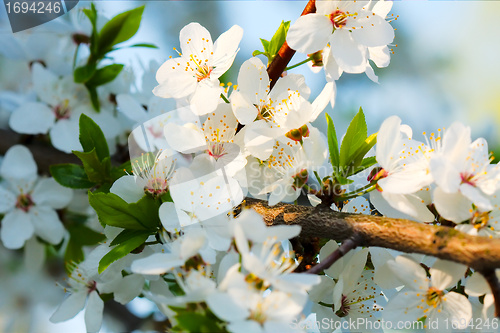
338,19
62,111
434,296
480,220
24,202
217,150
300,179
156,186
203,72
344,307
467,178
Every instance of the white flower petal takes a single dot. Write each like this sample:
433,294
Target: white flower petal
184,139
375,32
205,98
93,312
48,192
128,288
409,272
47,224
64,135
127,188
225,49
445,274
32,118
310,33
7,200
452,206
168,217
350,55
18,163
226,308
157,263
476,285
70,307
16,229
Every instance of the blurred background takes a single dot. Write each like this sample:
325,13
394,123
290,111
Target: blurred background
444,69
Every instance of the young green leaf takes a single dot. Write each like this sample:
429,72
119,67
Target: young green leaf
278,38
146,211
265,45
147,45
122,250
84,73
126,235
119,29
355,136
358,156
71,175
97,171
333,145
114,211
105,75
91,137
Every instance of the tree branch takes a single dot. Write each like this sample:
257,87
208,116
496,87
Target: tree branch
492,279
348,245
285,53
479,253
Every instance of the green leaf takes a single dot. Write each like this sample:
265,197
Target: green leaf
84,73
197,322
71,175
119,29
96,170
358,156
114,211
355,136
122,250
257,52
94,97
148,45
265,44
92,15
126,235
278,38
91,137
105,75
146,211
333,145
85,236
73,254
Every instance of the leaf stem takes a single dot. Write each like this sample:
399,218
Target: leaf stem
299,64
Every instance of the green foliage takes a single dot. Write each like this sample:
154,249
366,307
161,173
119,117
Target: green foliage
96,172
333,145
91,137
354,137
117,30
80,236
71,175
135,240
114,211
197,318
272,47
350,159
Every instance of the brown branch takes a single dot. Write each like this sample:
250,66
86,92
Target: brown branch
348,245
479,253
492,279
285,53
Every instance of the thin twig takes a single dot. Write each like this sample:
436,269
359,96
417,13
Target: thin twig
285,53
346,246
492,278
